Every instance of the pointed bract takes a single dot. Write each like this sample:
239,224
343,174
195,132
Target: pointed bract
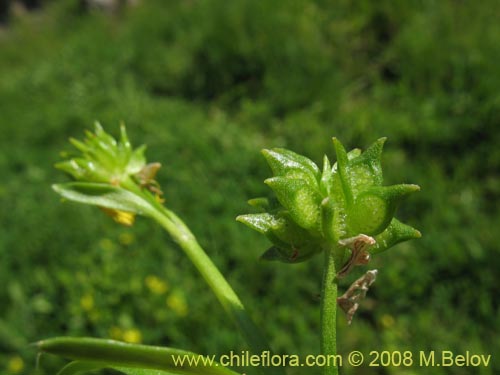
395,233
285,163
260,222
366,169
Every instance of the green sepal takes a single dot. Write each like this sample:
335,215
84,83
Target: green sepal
374,208
292,243
326,181
79,145
277,254
104,195
288,231
296,255
365,170
395,233
354,153
262,223
279,228
285,163
341,169
265,204
328,220
260,203
102,146
301,201
78,168
137,160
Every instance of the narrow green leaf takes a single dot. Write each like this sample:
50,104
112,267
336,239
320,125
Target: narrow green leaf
104,195
114,353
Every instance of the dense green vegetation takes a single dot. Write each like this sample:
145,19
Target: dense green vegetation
207,85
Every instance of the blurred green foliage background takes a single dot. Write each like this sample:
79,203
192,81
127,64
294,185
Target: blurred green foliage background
206,85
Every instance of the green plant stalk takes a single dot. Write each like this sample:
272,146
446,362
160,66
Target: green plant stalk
329,310
221,288
142,201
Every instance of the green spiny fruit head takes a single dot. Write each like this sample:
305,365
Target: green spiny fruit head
104,159
317,209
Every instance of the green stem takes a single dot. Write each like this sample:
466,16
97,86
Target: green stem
223,291
329,311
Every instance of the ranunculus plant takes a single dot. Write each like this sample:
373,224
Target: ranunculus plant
342,212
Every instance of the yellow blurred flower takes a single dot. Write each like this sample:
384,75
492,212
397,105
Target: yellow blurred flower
387,320
156,285
87,302
177,303
15,365
107,244
116,333
126,238
132,336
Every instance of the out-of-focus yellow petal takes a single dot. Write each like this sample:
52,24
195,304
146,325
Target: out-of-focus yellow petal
121,217
132,336
156,285
178,304
15,365
87,302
